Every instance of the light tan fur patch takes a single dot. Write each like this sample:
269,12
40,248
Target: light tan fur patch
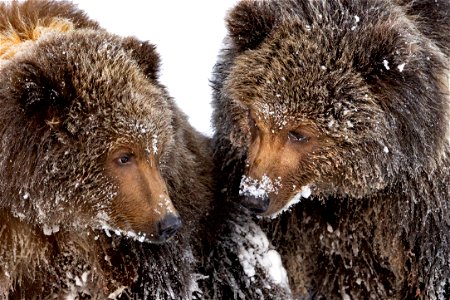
12,41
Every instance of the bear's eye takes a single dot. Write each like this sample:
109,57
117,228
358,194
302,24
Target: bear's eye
125,159
297,137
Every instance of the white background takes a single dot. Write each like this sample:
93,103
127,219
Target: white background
188,35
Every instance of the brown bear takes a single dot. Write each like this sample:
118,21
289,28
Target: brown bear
98,165
99,169
343,108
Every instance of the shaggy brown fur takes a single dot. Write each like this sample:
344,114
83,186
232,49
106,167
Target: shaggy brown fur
96,164
349,99
82,120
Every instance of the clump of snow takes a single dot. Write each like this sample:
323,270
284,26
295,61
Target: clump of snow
77,285
25,195
82,281
386,64
330,228
49,230
194,288
103,216
256,254
103,219
386,149
401,67
248,262
265,109
272,261
155,143
141,128
357,19
331,124
304,192
19,215
117,293
259,188
345,296
140,237
166,203
136,236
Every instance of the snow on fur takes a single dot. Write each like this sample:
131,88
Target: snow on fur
259,187
257,253
367,82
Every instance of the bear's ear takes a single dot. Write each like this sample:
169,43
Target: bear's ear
250,22
43,91
145,55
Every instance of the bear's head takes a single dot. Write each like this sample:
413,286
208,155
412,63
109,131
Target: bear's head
322,98
88,137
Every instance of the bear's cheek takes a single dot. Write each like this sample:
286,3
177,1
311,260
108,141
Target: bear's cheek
142,205
134,213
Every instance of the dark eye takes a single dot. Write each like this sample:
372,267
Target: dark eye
125,159
297,137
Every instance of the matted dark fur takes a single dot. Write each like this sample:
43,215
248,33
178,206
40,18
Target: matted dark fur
369,81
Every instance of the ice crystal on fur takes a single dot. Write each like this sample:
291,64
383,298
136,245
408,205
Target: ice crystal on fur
49,230
155,144
136,236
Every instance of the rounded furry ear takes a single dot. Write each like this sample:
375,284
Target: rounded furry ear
250,22
145,55
42,93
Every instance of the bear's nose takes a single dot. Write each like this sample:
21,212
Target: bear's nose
258,204
168,226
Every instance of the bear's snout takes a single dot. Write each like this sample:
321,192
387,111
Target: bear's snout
256,204
168,226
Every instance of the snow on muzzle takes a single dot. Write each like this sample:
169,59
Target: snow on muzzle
255,193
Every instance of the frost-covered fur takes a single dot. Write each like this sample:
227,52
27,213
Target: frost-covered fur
238,259
356,94
70,93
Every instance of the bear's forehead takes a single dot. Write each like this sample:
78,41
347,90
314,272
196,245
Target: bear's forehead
115,118
107,83
280,84
111,96
284,86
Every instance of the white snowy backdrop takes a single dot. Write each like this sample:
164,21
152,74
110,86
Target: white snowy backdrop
188,36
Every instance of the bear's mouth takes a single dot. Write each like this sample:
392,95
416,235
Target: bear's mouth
160,233
303,193
264,197
136,236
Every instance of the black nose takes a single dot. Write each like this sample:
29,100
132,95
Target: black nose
258,204
168,226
